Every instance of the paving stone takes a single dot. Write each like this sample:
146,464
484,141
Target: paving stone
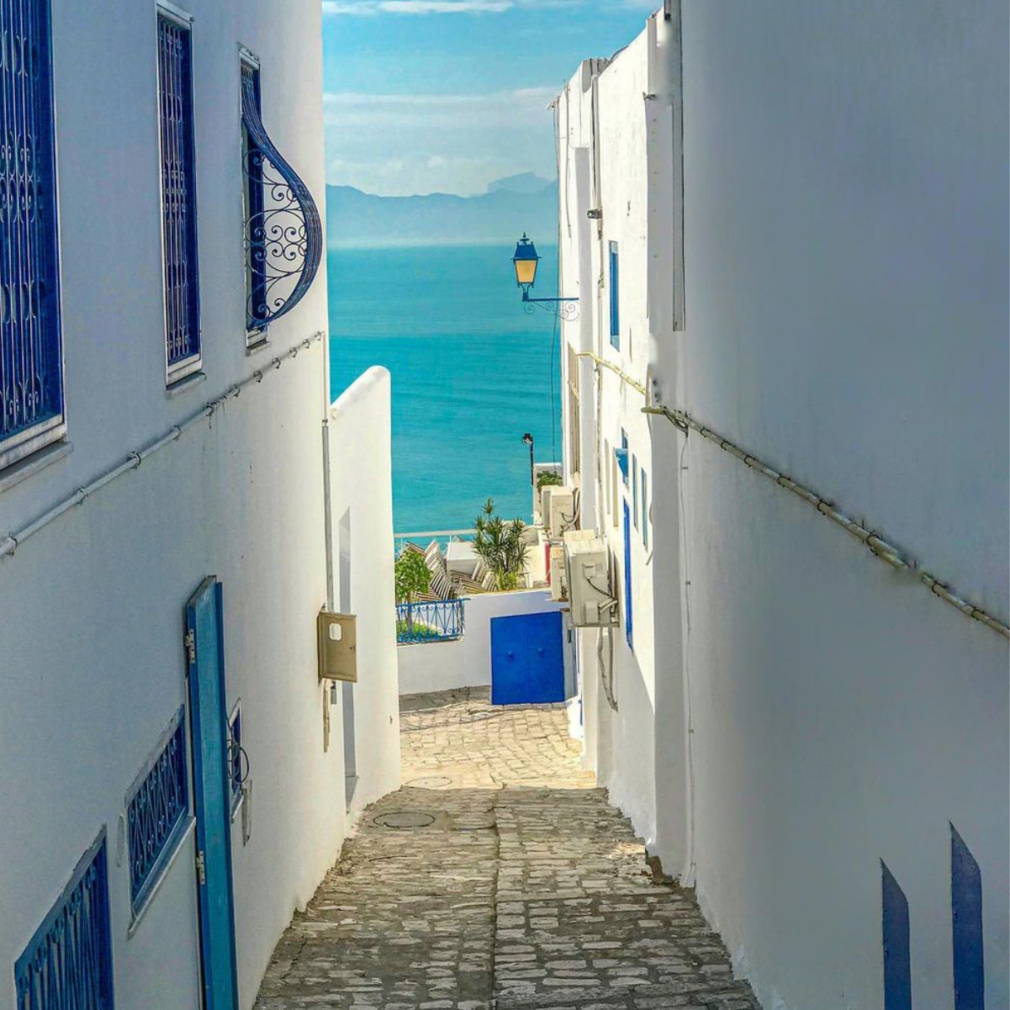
522,889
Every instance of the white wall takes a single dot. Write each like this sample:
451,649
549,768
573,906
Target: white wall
91,651
466,662
845,257
362,499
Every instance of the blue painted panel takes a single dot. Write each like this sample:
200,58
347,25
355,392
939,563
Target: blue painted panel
966,913
897,951
527,659
212,793
615,298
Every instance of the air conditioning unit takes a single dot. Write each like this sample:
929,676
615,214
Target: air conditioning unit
559,577
588,575
558,509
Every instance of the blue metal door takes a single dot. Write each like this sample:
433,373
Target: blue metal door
527,659
211,790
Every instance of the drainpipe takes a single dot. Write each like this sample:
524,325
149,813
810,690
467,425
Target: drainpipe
327,490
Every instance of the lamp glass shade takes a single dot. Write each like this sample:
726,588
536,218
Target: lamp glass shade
525,261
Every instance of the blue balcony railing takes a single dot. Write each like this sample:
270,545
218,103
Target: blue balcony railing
437,621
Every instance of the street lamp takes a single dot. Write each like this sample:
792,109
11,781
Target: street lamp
525,261
528,440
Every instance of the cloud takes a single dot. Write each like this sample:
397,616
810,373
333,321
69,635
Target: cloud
398,144
369,8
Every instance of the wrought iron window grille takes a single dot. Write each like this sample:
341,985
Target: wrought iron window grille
68,962
157,809
31,364
283,230
178,196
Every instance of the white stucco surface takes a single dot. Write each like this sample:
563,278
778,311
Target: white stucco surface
803,711
466,662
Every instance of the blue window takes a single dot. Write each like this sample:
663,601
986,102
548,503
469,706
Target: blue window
68,962
157,809
284,233
634,490
645,509
615,313
256,275
236,758
31,367
178,197
627,578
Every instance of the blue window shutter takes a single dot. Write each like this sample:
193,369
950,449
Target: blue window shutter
966,915
615,315
178,195
627,578
634,490
31,379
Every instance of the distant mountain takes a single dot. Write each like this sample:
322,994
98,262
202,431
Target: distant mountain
358,220
525,182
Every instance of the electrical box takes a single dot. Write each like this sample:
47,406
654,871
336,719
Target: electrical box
558,512
559,578
591,602
336,635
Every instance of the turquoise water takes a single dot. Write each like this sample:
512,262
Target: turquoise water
471,373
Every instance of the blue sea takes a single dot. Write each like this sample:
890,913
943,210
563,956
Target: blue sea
471,373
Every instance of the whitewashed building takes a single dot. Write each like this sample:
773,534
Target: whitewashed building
787,413
175,778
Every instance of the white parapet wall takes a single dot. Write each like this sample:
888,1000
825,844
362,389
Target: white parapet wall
466,661
362,522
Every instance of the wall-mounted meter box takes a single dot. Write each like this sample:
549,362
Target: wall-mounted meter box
337,636
588,575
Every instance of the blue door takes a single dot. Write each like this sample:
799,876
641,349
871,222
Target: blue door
527,659
211,790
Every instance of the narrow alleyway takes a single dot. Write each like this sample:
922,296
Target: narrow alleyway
498,876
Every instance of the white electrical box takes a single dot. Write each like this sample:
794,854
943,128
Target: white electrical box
587,572
559,578
558,509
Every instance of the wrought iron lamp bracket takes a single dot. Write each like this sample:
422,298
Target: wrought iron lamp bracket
564,308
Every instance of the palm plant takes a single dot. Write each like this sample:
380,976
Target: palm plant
501,546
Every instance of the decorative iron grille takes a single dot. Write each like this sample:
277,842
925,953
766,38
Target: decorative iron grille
156,811
31,385
68,963
238,761
284,234
435,621
178,194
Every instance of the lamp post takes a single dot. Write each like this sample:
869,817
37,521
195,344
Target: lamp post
528,440
525,260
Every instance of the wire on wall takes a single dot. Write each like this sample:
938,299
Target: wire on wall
880,548
134,460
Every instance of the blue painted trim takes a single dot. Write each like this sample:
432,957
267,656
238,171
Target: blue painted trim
628,606
68,961
896,943
433,621
966,919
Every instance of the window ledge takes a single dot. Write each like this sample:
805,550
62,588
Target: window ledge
33,464
261,343
180,387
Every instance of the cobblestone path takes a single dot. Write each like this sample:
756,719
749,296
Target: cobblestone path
497,877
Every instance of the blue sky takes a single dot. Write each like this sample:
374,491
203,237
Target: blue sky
447,95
